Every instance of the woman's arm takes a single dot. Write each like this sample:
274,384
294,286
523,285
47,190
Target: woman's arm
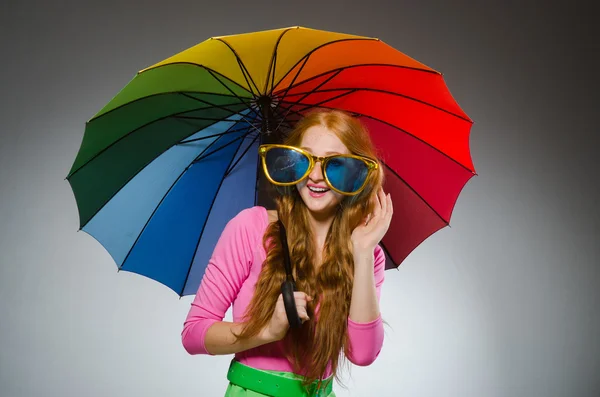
204,331
364,306
219,339
365,325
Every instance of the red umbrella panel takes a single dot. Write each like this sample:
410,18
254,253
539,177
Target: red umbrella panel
421,134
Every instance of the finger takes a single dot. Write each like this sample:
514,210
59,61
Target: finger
301,294
389,207
378,212
377,207
302,311
368,220
383,201
386,214
303,314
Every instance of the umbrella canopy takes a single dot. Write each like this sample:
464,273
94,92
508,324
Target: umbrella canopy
174,155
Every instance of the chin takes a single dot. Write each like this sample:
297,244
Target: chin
323,205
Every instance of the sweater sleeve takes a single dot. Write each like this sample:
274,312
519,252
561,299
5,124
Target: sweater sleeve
226,271
366,339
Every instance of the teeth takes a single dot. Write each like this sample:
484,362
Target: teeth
318,189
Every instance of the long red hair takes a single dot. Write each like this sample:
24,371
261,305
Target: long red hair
311,347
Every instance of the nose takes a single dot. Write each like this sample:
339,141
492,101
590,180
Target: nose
317,173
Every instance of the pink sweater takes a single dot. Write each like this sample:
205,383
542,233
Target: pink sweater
230,278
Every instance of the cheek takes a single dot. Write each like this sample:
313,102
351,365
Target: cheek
337,198
300,185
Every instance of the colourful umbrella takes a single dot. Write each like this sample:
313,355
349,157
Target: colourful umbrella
174,155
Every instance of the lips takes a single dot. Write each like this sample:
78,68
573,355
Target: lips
317,189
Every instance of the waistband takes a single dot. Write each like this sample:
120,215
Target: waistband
272,384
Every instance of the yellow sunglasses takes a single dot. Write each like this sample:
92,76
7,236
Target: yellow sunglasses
286,165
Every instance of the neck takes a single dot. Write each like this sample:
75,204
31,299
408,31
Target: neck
320,224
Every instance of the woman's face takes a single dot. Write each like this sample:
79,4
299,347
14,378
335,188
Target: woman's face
320,141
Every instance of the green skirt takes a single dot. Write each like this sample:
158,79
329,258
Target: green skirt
246,381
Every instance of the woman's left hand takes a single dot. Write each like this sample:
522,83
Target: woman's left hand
370,232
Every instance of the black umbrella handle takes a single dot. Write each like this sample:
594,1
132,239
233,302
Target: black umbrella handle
287,289
289,285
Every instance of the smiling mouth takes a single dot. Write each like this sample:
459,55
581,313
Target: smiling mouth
318,189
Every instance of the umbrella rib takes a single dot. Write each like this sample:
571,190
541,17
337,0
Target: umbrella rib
356,65
387,252
202,156
284,119
196,65
274,59
230,170
308,54
220,107
242,67
300,115
310,92
214,72
273,74
153,95
383,92
160,202
237,96
294,79
318,104
187,119
246,75
393,126
204,226
174,92
175,116
272,67
292,104
209,136
305,60
414,191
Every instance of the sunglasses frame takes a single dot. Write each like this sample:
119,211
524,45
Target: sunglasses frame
372,165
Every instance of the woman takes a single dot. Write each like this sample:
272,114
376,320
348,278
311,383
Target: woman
335,214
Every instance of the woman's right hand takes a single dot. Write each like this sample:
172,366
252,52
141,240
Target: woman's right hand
276,329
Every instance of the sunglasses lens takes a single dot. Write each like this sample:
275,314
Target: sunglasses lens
346,174
286,165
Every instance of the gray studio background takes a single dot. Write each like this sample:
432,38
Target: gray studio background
502,303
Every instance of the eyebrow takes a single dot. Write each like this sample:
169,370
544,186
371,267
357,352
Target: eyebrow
310,150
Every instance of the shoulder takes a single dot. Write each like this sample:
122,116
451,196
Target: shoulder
249,220
251,213
244,231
